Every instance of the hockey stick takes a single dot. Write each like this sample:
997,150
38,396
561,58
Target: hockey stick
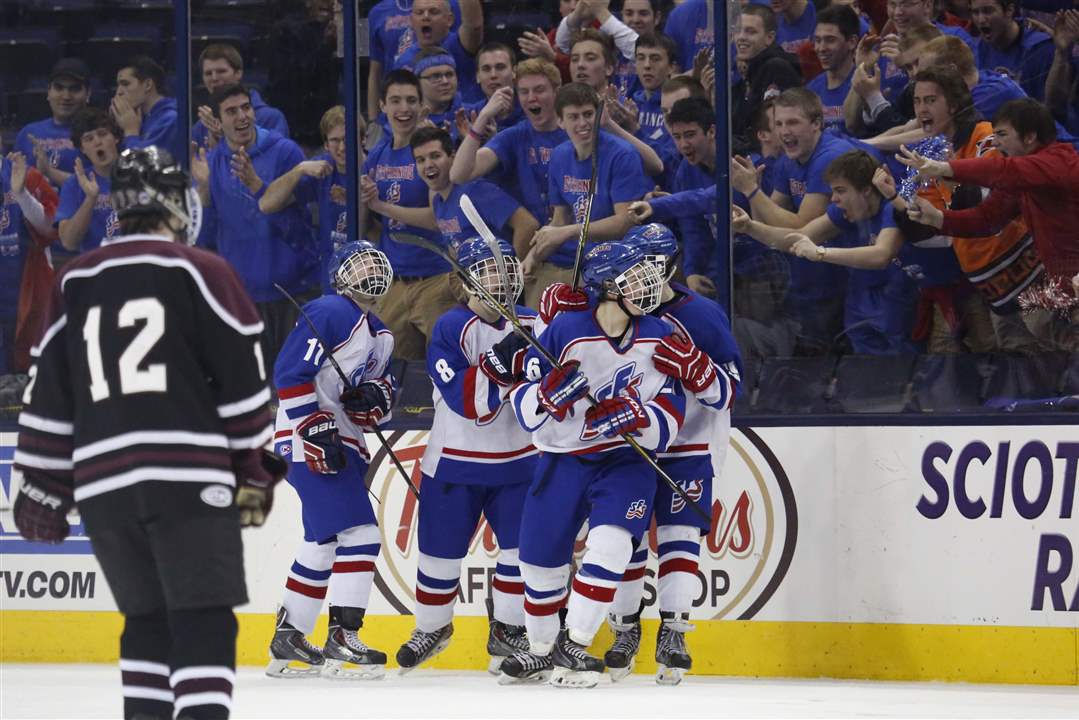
348,384
582,238
478,222
524,332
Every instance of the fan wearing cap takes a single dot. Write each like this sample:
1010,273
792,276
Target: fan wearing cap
478,459
47,143
149,412
320,431
586,469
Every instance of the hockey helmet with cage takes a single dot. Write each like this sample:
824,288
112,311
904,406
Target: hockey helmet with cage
475,256
147,181
360,270
659,244
624,271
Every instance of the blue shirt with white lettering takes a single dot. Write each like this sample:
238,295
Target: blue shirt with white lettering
524,156
494,206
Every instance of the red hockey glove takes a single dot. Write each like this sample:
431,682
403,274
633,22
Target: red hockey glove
680,358
367,403
560,297
322,449
504,363
617,416
41,509
256,471
560,388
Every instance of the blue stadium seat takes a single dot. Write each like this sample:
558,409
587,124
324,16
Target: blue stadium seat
28,50
236,34
113,44
950,383
873,383
28,103
795,386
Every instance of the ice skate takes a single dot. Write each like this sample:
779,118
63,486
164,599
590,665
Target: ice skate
622,656
344,647
423,646
503,641
289,646
524,667
573,666
672,655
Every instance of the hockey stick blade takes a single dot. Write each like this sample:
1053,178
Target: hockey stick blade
478,222
328,351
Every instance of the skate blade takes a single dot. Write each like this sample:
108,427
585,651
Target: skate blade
539,678
621,673
494,665
566,678
339,670
281,669
442,645
669,676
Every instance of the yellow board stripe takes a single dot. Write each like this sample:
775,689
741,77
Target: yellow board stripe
970,653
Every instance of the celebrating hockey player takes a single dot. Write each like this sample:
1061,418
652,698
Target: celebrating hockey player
586,470
320,426
702,356
478,459
148,410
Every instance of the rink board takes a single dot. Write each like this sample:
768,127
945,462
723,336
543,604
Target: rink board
903,553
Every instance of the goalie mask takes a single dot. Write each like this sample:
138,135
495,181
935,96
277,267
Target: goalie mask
659,244
360,271
475,256
146,181
624,271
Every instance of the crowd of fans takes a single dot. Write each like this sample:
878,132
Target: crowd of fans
904,173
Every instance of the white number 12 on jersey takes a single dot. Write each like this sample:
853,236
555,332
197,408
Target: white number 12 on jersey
133,379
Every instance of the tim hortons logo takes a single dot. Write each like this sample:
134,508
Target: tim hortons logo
744,555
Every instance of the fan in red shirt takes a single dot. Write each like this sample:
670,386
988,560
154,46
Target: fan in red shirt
1036,178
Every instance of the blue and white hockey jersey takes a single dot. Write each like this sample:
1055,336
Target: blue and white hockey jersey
610,371
475,438
708,414
307,381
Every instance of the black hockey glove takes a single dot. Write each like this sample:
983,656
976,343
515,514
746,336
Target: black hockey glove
41,509
367,403
257,471
322,449
504,363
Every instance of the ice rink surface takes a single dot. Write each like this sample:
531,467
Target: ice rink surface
93,691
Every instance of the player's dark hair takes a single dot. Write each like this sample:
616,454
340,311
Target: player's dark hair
431,134
399,77
764,12
661,41
684,82
843,17
494,46
575,94
88,119
224,93
856,167
143,68
1027,116
595,35
955,92
692,110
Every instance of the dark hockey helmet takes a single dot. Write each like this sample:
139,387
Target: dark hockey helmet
660,246
475,256
623,270
360,270
147,181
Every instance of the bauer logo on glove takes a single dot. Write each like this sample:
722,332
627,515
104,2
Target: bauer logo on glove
561,388
680,358
322,450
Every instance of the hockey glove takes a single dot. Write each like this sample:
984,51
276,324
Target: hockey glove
257,471
560,297
680,358
367,403
617,416
504,363
560,388
322,449
41,509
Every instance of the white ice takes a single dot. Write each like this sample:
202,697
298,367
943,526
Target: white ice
93,691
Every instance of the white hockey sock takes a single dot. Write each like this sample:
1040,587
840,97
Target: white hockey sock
627,598
607,553
508,589
354,566
677,583
436,591
198,689
545,593
305,588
